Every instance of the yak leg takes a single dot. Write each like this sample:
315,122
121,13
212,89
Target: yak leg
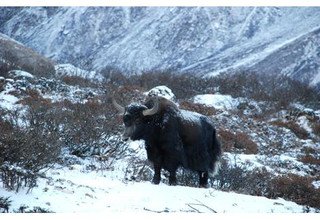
172,178
157,174
203,179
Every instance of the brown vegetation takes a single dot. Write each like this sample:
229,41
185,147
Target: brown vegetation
294,127
195,107
237,142
19,57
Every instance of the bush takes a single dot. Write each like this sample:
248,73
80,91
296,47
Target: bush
82,126
29,142
237,142
36,209
238,178
78,81
316,128
281,90
295,188
202,109
260,182
18,57
294,127
5,204
310,159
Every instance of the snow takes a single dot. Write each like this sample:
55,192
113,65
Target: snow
189,116
75,189
218,101
316,184
71,70
316,79
8,101
20,73
162,91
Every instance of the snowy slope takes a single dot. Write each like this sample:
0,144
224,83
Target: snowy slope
197,40
75,189
116,185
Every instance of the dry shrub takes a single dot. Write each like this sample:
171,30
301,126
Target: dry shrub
310,159
29,142
295,188
237,142
125,94
316,128
5,204
238,178
24,151
294,127
2,85
78,81
195,107
19,57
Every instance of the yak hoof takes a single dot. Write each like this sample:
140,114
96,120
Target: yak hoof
156,181
203,186
172,183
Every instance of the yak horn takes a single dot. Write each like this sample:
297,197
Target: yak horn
153,110
117,106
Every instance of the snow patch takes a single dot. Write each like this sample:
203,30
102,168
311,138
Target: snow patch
71,70
218,101
20,73
8,101
162,91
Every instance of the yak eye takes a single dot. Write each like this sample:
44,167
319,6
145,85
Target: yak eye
127,119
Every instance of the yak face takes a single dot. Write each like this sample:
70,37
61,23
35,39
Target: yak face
136,118
134,122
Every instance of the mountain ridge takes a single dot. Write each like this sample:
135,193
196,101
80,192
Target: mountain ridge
197,40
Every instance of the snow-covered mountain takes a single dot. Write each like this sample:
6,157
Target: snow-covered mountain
198,40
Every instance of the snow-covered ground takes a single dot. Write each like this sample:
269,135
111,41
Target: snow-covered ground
76,189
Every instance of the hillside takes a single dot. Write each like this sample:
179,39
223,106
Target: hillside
202,41
16,56
61,146
67,146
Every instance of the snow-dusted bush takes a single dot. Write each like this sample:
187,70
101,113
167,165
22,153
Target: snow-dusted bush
237,142
78,81
5,204
35,209
295,188
316,128
28,143
299,131
281,90
200,108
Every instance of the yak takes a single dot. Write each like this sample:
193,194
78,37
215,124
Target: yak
173,138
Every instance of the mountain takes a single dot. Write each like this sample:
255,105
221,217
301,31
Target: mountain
16,56
198,40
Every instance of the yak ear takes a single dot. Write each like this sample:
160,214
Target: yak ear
154,109
119,107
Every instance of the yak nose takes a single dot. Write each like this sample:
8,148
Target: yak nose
125,138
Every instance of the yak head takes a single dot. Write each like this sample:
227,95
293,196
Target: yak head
136,118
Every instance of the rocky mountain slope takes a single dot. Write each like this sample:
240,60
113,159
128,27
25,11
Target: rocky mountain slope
16,56
203,41
267,153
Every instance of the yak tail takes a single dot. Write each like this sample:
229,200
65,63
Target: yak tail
216,148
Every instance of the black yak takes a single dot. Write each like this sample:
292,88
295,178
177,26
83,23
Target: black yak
173,137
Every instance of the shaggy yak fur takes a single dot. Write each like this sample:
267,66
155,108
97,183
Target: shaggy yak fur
173,138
